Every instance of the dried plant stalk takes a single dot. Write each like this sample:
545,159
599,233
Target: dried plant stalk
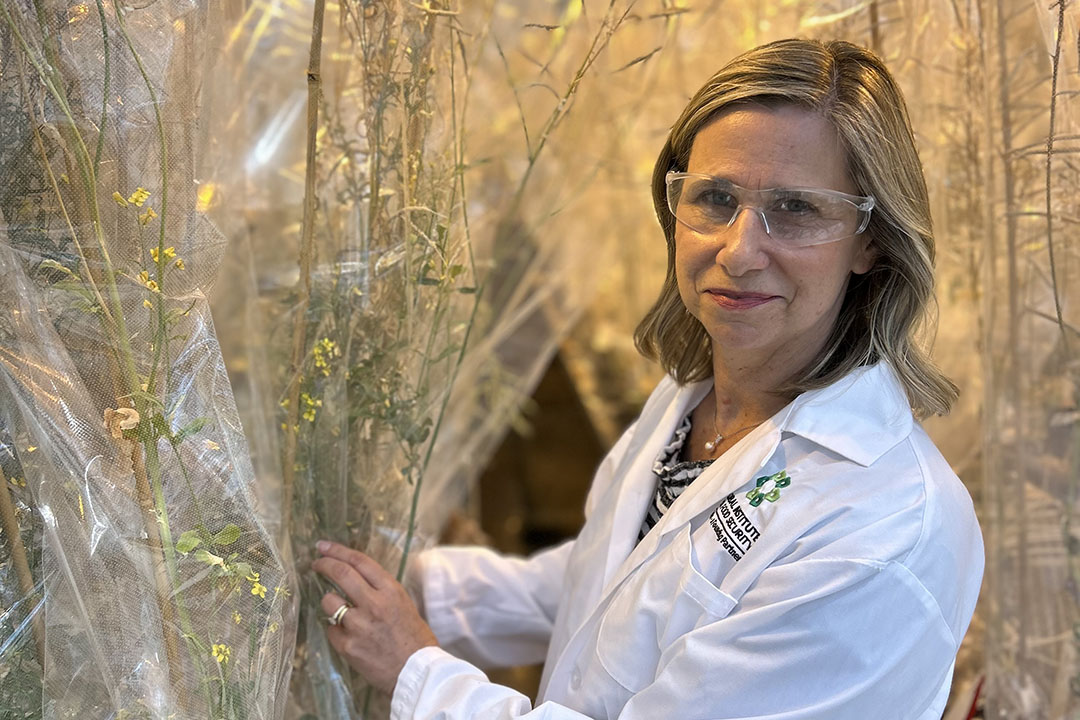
10,524
299,336
1055,66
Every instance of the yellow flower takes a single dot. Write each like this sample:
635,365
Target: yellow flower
281,590
180,263
273,627
145,281
309,414
147,216
154,254
138,197
119,199
257,588
211,445
147,304
236,617
221,652
170,252
31,448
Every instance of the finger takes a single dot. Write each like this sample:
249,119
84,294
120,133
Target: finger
330,603
350,582
337,638
370,570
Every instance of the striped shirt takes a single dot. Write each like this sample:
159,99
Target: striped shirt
672,477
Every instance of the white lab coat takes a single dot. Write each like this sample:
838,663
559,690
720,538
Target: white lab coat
843,597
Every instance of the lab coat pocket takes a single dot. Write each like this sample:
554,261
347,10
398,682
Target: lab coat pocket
663,599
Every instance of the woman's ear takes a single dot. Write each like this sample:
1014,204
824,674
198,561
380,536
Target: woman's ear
865,257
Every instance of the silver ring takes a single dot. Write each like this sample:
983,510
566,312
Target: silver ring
339,614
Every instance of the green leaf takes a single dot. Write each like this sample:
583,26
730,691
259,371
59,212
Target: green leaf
190,429
429,281
76,287
242,569
467,290
53,265
456,270
227,535
188,542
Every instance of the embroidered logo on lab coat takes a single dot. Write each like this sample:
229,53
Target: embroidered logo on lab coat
733,529
768,488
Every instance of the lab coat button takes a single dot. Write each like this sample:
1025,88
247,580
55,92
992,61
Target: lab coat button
575,679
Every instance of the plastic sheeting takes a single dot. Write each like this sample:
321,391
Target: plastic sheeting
128,478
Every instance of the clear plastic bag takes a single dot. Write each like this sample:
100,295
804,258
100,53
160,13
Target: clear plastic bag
164,595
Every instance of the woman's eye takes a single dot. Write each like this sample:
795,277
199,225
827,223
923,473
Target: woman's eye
715,198
796,206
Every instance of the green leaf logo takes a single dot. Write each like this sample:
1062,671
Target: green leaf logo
768,488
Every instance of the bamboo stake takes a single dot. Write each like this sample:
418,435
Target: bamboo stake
314,85
10,523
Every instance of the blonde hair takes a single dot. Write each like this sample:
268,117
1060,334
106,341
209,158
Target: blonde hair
885,309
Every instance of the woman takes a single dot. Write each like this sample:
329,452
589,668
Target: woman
776,536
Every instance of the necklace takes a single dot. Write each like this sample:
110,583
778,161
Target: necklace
720,437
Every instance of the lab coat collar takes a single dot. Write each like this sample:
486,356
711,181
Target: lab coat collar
862,416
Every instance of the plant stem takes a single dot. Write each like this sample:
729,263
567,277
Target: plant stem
1049,160
314,83
9,521
104,85
1012,379
875,27
154,540
161,336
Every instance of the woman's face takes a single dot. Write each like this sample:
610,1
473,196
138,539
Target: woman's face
750,292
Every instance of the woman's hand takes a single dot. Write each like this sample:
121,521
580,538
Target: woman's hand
382,628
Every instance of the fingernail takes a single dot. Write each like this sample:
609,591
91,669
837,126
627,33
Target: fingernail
322,546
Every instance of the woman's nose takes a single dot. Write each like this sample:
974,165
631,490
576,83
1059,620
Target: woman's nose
744,243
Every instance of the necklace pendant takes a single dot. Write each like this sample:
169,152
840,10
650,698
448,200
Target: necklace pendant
711,445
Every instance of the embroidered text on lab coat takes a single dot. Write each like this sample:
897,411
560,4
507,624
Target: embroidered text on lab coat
733,529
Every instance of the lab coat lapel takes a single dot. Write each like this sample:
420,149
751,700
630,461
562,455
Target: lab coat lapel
730,471
638,482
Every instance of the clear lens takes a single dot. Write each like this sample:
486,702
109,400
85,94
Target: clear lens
797,217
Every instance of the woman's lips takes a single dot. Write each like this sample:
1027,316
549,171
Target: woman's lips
732,300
